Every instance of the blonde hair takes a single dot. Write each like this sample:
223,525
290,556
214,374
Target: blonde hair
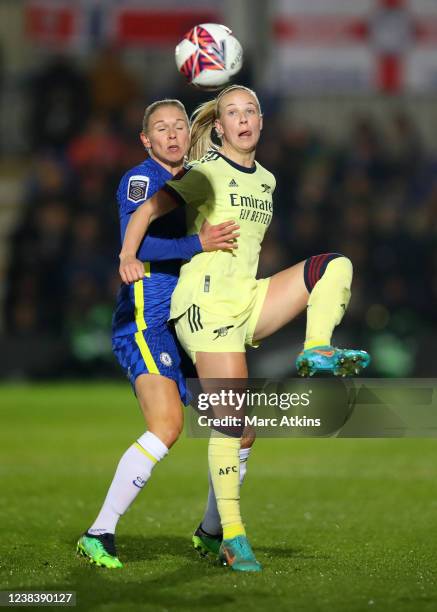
158,104
203,135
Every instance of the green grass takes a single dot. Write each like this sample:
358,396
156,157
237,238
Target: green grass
339,525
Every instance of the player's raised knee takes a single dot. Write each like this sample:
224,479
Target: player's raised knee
342,267
317,265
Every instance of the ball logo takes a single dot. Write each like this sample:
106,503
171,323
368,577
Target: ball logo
166,359
209,55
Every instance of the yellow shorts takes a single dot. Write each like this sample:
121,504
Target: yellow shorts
200,330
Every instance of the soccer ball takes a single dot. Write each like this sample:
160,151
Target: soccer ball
208,55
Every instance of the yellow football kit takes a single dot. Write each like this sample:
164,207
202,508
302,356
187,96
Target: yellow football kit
217,300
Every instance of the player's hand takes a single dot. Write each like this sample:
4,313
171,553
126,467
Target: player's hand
218,237
131,269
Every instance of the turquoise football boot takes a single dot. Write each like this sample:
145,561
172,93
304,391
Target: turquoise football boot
340,362
237,554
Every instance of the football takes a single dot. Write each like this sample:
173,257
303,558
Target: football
209,55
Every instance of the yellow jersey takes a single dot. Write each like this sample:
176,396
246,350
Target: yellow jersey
218,189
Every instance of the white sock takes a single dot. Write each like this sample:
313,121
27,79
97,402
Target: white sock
211,521
133,471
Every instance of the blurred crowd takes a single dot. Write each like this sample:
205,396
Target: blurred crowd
372,198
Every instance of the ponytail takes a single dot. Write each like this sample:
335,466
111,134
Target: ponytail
202,124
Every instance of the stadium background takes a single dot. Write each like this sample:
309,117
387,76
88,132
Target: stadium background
349,94
348,91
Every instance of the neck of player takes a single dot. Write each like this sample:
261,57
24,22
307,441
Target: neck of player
242,158
172,167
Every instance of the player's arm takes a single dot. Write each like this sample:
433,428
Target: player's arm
132,269
210,238
186,247
153,248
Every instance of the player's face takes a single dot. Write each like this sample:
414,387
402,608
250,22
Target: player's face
240,121
168,136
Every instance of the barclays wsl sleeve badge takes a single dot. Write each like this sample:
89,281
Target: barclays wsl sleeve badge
137,188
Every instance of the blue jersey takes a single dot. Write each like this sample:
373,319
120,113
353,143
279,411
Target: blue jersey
146,303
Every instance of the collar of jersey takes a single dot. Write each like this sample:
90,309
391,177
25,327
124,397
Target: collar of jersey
237,166
152,161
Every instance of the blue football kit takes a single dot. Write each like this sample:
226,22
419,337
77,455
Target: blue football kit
142,340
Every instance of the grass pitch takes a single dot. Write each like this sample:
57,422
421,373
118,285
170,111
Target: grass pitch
339,525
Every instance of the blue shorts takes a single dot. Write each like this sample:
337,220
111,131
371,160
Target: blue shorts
154,351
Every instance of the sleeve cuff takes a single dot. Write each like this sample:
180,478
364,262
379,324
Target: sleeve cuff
195,244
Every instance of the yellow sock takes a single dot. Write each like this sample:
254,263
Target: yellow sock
328,302
224,466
